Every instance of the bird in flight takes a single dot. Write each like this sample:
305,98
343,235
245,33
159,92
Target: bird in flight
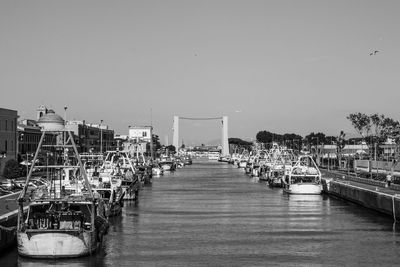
373,53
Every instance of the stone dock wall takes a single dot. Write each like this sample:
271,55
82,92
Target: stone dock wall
365,192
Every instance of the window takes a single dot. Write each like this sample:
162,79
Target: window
144,134
5,146
6,125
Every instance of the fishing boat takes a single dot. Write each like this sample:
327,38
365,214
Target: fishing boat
242,163
113,197
123,176
156,169
65,219
303,178
188,160
168,165
213,155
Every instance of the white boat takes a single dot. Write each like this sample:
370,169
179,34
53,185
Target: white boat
113,197
64,219
168,165
119,175
303,178
213,155
156,170
242,163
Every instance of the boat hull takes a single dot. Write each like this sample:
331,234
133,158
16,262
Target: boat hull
114,209
56,244
129,192
166,167
242,165
156,171
129,195
303,189
275,182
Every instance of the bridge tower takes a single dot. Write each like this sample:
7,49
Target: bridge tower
175,140
225,143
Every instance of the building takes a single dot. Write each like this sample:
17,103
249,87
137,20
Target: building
140,133
40,111
8,136
29,134
92,137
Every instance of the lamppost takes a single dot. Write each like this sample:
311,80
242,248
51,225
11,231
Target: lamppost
101,137
329,153
65,123
295,147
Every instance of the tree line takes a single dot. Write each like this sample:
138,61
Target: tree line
374,128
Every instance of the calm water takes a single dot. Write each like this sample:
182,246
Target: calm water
212,214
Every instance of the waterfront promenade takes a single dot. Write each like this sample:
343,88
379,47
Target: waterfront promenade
362,182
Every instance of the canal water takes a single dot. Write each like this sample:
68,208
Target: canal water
213,214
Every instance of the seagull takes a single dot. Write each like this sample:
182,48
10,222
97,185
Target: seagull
373,53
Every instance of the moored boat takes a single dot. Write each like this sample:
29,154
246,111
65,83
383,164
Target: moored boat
168,165
303,178
156,169
64,219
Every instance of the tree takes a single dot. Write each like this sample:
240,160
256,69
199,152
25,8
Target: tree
171,148
11,169
389,128
361,122
264,137
239,143
377,123
156,145
156,142
315,138
291,140
341,141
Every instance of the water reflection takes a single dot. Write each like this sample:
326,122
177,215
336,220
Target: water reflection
78,262
214,214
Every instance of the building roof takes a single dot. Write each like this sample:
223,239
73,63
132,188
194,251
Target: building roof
140,127
51,121
8,112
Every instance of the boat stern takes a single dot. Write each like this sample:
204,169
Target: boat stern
56,244
304,189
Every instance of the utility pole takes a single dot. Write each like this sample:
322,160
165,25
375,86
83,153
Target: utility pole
101,137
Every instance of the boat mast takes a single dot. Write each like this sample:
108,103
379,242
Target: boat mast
23,192
83,171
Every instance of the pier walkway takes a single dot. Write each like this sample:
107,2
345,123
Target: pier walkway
366,183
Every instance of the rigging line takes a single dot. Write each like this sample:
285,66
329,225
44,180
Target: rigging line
200,119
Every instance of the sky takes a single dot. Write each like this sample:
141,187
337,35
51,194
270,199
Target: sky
296,66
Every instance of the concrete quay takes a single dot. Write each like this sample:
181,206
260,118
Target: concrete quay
8,220
365,192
